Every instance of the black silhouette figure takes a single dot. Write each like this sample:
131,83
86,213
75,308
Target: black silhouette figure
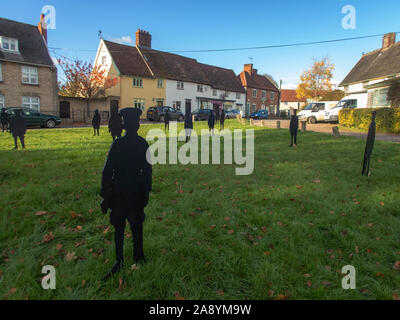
125,187
4,120
211,122
96,122
222,120
166,119
115,124
18,128
369,145
156,115
294,127
188,125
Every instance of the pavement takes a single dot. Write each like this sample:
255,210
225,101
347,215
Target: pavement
327,128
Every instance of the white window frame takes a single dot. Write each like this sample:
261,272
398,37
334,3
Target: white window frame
1,73
31,103
136,81
10,42
104,60
215,92
254,93
200,88
160,83
263,94
139,103
272,95
180,85
30,74
2,101
238,95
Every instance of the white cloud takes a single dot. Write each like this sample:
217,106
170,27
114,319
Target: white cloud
123,39
289,85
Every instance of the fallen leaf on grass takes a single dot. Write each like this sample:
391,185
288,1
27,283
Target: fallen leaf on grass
264,229
309,283
48,237
396,265
178,296
231,231
120,283
213,226
396,296
220,292
59,246
307,275
267,253
40,213
70,256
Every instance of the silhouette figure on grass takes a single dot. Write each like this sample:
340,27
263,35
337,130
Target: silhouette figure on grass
96,122
115,124
4,120
188,125
166,119
222,120
125,187
211,122
294,127
18,128
369,145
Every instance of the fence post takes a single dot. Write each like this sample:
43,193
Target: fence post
303,126
278,124
335,131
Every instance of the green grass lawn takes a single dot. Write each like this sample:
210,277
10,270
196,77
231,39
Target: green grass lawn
285,231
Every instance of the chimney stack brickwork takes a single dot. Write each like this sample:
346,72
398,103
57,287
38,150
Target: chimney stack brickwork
248,68
389,39
143,38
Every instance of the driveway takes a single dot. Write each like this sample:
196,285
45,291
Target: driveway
327,128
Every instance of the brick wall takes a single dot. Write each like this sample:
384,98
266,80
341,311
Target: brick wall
13,89
259,101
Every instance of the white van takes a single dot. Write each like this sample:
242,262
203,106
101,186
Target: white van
315,111
351,101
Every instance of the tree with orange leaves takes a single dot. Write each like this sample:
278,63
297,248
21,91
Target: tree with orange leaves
85,80
316,82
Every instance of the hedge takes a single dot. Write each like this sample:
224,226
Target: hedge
387,119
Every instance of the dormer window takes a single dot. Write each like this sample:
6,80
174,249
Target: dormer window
9,44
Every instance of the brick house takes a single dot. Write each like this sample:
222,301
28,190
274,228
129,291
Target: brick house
28,76
261,92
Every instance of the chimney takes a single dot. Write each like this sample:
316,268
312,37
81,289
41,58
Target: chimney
143,38
42,27
389,39
248,68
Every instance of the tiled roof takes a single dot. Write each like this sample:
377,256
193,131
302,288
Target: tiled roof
377,64
31,45
128,60
290,96
146,62
256,81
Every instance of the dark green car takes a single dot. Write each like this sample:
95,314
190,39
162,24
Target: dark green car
34,118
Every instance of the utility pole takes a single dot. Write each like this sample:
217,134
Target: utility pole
279,100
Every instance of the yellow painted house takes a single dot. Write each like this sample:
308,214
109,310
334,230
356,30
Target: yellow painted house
137,85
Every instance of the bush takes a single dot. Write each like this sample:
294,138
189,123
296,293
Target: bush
387,119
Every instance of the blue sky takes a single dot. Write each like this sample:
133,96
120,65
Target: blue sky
190,25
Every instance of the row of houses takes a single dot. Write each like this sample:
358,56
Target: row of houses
149,77
146,78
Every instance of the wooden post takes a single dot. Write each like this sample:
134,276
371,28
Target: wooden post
278,124
252,122
303,126
335,131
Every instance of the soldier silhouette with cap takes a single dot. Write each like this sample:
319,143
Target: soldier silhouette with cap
125,187
188,125
294,127
211,121
18,128
96,122
166,119
4,120
115,124
369,145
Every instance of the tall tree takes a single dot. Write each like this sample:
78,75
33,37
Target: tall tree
84,80
317,80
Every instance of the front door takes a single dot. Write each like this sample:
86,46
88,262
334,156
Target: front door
188,107
65,110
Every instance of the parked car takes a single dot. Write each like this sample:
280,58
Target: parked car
202,114
232,114
315,111
352,101
173,113
260,114
34,118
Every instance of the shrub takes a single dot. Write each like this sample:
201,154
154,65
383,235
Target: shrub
387,119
